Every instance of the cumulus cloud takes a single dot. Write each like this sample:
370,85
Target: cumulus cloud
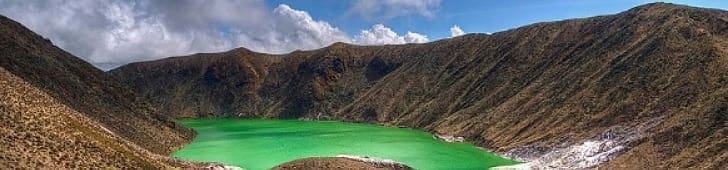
380,34
387,9
412,37
456,31
110,33
293,29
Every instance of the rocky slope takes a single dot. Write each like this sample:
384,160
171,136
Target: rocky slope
59,112
645,88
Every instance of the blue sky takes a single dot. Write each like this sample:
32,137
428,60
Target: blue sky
110,33
476,15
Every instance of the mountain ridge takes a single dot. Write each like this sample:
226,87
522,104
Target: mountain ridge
633,82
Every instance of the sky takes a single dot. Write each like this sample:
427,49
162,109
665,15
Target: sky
110,33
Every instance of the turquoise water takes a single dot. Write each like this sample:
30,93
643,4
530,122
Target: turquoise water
262,144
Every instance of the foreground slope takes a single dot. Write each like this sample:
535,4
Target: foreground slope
86,89
644,88
60,112
39,132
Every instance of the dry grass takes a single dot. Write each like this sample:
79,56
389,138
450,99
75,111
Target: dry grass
39,132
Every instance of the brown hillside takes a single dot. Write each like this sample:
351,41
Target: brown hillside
652,81
83,88
41,133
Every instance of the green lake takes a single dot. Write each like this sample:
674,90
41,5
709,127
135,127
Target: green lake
262,144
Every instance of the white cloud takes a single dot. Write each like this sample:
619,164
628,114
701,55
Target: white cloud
110,33
456,31
380,34
412,37
387,9
293,29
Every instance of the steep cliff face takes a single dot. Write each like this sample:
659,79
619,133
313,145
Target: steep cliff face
60,112
643,88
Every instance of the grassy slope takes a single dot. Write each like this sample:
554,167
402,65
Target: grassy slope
41,132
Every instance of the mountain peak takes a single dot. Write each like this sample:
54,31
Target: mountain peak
337,45
663,5
658,5
660,8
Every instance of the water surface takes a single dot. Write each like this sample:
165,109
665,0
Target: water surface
262,144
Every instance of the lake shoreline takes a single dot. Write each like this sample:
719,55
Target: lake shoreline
329,138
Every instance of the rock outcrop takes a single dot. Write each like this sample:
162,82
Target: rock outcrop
653,78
